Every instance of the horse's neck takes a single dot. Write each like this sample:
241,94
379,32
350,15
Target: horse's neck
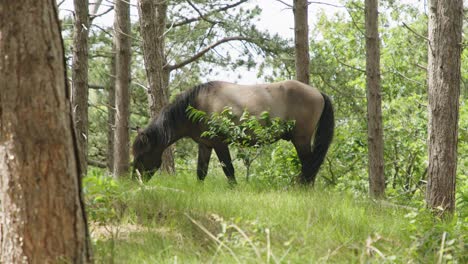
172,132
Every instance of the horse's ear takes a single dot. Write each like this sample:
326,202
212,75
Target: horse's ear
139,130
143,136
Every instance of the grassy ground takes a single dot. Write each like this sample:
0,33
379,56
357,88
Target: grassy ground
178,220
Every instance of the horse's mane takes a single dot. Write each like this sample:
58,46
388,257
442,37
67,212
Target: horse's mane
166,122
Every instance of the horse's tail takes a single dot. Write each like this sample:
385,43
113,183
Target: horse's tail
323,136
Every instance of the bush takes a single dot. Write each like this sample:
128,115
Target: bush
247,133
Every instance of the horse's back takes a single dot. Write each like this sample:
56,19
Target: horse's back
289,100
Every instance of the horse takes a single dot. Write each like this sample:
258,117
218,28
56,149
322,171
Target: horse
311,111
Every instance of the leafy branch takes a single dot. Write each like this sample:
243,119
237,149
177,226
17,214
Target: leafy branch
247,133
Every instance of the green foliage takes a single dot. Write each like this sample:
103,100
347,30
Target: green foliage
279,168
433,238
103,198
247,133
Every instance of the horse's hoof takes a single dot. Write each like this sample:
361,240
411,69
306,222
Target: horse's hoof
232,183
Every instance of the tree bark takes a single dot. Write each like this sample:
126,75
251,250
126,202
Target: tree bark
42,217
111,112
301,40
444,52
122,32
374,102
153,25
80,78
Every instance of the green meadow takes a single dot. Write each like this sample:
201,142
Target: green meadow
176,219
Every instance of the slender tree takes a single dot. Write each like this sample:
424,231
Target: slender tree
42,217
111,112
444,58
301,40
80,78
374,102
153,25
122,31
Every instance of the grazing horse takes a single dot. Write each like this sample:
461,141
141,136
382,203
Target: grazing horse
311,110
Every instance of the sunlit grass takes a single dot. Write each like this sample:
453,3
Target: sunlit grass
176,219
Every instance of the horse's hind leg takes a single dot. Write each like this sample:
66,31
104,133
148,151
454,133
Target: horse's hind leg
304,152
204,155
225,158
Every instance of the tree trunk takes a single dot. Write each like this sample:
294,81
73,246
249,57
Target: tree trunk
122,31
301,40
42,217
445,35
374,102
111,112
153,25
80,79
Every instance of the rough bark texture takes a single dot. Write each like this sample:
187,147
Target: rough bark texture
122,88
444,51
42,217
111,112
301,40
374,102
153,25
80,79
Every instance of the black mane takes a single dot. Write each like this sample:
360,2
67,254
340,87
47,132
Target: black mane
174,113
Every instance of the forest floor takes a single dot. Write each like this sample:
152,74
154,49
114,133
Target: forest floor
175,219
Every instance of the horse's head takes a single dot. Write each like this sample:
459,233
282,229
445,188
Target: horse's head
147,154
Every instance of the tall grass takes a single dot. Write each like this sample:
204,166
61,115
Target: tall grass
175,219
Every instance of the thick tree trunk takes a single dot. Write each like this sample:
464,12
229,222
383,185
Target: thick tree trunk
444,51
80,79
301,40
153,25
374,102
111,112
122,88
42,218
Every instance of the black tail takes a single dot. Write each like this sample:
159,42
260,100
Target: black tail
323,137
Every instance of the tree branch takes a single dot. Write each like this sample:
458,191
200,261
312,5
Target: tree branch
284,3
97,163
202,52
96,6
323,3
60,3
93,16
200,13
194,19
414,32
96,86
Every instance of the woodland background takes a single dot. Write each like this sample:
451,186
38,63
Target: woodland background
78,201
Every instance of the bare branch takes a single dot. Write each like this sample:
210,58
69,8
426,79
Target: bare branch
97,163
203,17
323,3
93,16
96,6
284,3
96,86
107,32
355,23
60,3
414,32
194,19
347,65
202,52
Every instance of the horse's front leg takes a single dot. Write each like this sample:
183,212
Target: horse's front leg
222,151
204,155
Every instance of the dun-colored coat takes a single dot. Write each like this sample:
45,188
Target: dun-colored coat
289,100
